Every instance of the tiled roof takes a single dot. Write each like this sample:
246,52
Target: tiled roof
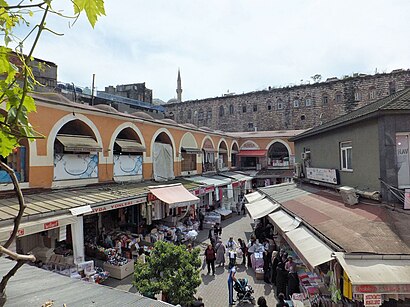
55,202
395,102
32,286
362,228
265,134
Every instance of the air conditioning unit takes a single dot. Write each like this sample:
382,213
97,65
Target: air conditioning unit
305,155
349,195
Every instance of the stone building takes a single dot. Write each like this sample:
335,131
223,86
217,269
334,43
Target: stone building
137,91
296,107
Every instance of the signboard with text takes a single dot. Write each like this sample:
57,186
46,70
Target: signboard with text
328,175
117,205
372,299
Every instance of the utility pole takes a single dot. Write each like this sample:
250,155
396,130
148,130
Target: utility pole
92,91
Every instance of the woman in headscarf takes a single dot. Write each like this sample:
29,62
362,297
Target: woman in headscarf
220,253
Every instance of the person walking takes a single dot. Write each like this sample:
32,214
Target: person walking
220,253
231,280
262,302
281,301
210,258
198,302
243,248
201,217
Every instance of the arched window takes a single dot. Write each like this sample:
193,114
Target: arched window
201,114
209,114
221,111
302,117
278,154
231,109
189,115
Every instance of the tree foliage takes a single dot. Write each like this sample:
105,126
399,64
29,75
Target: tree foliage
17,81
16,66
170,269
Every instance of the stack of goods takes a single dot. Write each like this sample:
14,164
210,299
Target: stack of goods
309,283
63,250
100,275
210,219
114,259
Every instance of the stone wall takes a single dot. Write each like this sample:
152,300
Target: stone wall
297,107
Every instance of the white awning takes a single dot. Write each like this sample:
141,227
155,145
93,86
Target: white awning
79,143
176,195
32,227
376,271
283,221
255,196
308,247
208,181
130,146
261,208
192,150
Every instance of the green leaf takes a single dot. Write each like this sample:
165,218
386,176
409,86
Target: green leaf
93,9
29,104
7,143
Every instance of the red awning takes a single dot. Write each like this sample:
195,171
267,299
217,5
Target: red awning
252,153
176,195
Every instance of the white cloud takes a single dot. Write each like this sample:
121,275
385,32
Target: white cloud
232,44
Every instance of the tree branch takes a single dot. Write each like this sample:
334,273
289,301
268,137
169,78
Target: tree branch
16,256
20,198
10,274
28,60
19,6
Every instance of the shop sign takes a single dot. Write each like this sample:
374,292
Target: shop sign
50,225
202,191
322,174
20,232
384,289
372,299
236,184
118,205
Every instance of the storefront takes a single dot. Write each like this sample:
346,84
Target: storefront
374,279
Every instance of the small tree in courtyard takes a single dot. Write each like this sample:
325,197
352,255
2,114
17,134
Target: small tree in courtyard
171,269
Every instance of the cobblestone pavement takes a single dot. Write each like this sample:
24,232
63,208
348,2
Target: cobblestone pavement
214,289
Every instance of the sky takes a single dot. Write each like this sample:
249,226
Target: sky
222,46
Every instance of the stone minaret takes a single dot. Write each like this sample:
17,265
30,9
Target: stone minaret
179,88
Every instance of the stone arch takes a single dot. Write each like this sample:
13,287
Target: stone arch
249,145
117,131
279,141
222,140
234,143
63,121
188,140
279,151
207,137
169,135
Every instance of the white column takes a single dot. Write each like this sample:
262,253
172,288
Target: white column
77,234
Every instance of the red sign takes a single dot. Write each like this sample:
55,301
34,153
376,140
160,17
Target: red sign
372,299
236,184
202,191
394,289
52,224
20,232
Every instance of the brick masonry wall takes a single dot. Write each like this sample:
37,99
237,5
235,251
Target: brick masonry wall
288,108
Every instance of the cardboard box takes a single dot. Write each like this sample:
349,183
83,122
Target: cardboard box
120,272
